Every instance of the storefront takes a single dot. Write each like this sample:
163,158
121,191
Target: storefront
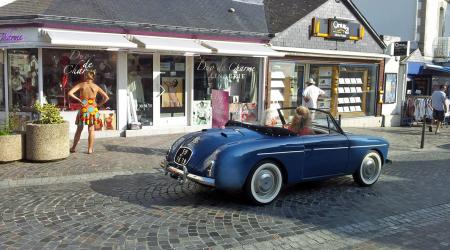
350,88
341,53
155,84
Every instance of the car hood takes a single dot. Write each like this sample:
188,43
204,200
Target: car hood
204,143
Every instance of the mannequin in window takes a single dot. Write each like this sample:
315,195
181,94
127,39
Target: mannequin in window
135,86
17,82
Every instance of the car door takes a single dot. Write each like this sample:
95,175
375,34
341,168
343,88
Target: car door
326,152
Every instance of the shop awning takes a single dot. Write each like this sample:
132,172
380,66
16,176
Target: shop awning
238,48
83,38
415,68
290,51
170,44
437,68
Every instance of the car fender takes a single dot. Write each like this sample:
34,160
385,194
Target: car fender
234,162
360,146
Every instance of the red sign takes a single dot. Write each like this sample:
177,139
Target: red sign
220,109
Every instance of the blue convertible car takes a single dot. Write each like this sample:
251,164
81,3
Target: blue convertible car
259,159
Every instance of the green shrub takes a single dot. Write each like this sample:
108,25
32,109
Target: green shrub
48,114
11,124
5,131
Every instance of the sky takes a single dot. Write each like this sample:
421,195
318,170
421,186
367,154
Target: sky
4,2
398,16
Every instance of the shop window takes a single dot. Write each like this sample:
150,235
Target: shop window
23,78
63,69
357,88
140,88
173,86
323,76
236,77
2,82
286,83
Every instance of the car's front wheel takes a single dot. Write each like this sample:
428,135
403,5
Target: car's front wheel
264,183
369,171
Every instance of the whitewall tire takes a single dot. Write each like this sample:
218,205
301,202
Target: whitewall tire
370,169
264,183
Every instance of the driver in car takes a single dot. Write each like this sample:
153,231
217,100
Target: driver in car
301,122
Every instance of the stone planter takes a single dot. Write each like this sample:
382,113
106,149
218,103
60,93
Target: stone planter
12,147
47,142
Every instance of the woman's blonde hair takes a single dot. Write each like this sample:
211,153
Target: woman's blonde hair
90,74
302,119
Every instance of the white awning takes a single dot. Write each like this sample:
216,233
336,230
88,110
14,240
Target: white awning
330,53
239,48
84,38
170,44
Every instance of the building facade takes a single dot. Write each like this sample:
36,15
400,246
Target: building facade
172,75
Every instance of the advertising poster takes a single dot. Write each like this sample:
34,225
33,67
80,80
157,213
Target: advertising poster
249,112
390,88
173,91
107,120
235,112
202,113
219,108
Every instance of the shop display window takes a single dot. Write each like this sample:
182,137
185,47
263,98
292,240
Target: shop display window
2,82
235,77
357,89
286,84
140,89
323,75
173,86
23,78
63,69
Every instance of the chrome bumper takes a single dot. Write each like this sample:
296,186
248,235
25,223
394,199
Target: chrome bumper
183,175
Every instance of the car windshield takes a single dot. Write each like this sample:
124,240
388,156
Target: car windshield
321,121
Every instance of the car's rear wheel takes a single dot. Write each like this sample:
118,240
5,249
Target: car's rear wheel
264,183
370,170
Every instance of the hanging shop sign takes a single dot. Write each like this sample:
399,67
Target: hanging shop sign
401,48
337,29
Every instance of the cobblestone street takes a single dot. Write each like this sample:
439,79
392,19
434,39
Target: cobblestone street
118,198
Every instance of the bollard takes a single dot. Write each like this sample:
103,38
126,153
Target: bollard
339,120
422,141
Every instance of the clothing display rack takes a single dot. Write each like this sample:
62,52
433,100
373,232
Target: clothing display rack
415,109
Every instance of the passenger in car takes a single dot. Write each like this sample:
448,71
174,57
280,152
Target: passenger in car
301,122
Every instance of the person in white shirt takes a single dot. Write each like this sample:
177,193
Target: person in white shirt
439,108
311,94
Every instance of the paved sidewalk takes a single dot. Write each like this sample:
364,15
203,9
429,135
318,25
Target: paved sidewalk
409,207
124,156
112,156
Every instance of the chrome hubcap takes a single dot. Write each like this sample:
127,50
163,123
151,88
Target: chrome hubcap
370,169
265,182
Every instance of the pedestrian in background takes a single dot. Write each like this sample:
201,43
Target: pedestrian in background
311,94
439,108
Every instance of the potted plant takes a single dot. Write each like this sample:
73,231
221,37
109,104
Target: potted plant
12,142
47,137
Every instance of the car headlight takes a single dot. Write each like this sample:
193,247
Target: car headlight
209,163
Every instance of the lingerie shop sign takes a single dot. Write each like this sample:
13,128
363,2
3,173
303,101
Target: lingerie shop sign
232,71
83,63
10,37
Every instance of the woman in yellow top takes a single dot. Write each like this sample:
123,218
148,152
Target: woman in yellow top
88,114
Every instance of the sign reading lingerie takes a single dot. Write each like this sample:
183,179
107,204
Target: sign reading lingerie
220,109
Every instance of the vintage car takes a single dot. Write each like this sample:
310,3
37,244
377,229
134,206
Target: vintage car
259,160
